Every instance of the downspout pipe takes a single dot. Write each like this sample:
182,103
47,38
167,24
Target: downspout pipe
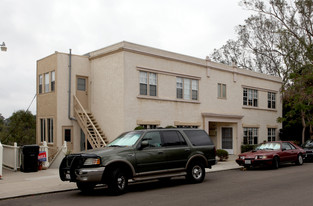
70,85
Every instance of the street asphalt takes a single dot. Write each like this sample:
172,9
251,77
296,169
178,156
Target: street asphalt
17,184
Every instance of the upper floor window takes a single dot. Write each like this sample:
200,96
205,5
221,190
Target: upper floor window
250,97
40,83
47,82
271,134
271,102
187,88
221,91
148,84
250,135
52,81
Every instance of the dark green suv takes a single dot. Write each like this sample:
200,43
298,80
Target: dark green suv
141,155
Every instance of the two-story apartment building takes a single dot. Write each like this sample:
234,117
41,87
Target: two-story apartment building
88,100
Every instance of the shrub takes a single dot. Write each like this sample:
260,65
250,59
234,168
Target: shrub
247,147
222,154
139,128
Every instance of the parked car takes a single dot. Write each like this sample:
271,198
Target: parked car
308,147
272,154
141,155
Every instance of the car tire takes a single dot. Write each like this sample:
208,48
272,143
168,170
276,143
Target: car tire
275,163
299,160
118,182
85,187
196,172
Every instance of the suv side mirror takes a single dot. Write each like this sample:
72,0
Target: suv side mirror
144,144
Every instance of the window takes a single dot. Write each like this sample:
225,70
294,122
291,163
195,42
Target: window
250,135
81,84
154,139
250,97
271,100
42,130
286,146
52,81
221,91
47,81
187,126
271,134
50,130
198,137
173,138
67,135
40,84
149,126
187,89
145,81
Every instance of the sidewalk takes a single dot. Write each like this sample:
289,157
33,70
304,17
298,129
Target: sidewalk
15,184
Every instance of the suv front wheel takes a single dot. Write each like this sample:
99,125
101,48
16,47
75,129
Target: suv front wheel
118,182
196,172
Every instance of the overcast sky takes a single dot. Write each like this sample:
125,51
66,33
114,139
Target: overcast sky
34,29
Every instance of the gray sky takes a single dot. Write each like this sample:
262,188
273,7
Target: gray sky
34,29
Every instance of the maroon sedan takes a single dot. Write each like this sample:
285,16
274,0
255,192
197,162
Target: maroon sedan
272,154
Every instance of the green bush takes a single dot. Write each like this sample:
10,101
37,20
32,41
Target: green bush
222,154
248,147
139,128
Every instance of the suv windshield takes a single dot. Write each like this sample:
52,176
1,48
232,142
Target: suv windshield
269,146
126,139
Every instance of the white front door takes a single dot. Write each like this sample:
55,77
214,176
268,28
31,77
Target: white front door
227,139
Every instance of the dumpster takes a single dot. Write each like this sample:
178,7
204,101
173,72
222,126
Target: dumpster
29,158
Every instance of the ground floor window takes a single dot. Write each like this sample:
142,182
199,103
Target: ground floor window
250,135
149,126
46,130
188,126
271,134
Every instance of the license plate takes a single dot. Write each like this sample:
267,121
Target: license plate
68,176
248,162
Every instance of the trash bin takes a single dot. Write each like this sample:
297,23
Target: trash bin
29,158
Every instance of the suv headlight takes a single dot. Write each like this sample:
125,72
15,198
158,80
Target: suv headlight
92,161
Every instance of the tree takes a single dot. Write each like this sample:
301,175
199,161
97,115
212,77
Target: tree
21,128
277,40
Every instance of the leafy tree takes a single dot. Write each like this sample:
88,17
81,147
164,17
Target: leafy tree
21,128
278,40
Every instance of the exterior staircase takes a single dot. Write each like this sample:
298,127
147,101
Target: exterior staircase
89,125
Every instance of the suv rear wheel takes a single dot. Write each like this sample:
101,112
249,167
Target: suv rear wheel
196,172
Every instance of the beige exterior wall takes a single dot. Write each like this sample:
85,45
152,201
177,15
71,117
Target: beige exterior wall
116,103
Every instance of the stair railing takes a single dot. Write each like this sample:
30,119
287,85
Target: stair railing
85,120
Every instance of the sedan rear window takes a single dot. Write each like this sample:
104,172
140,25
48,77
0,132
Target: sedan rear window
198,137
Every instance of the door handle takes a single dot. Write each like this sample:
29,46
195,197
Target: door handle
161,152
187,150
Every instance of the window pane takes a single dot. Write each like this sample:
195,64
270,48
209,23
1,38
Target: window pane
81,84
52,81
224,90
143,89
186,88
194,87
179,88
67,135
40,84
47,82
153,91
143,78
152,79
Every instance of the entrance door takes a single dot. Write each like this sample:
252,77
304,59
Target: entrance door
227,139
68,137
82,91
